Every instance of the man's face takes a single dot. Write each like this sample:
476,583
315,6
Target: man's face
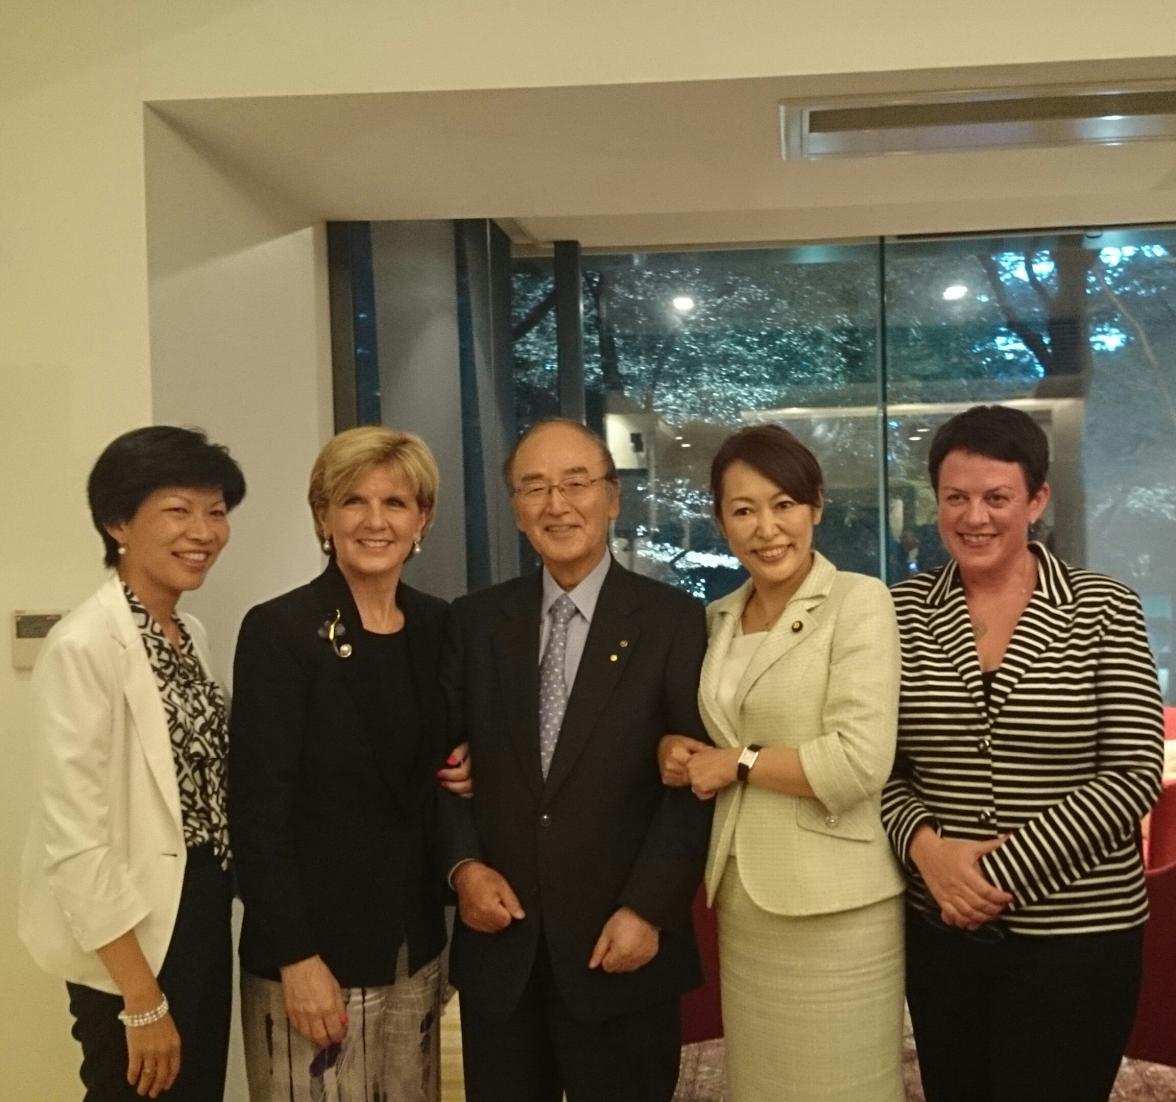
569,531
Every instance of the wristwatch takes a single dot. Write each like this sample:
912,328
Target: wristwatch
746,760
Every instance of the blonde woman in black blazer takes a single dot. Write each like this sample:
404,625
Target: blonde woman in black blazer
336,743
1030,744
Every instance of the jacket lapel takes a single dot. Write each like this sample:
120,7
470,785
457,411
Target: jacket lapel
952,628
516,649
1050,612
142,694
334,595
612,638
794,626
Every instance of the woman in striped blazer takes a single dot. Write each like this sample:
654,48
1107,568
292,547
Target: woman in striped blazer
1030,744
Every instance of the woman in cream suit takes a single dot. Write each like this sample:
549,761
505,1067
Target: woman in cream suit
125,888
799,693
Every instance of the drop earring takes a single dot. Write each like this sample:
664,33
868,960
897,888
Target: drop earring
326,545
416,546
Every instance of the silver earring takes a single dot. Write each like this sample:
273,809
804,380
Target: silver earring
326,545
122,548
416,546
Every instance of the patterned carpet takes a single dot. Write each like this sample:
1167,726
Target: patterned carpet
701,1078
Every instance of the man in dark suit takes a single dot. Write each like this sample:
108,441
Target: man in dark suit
574,866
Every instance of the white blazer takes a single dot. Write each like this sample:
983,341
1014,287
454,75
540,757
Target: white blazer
823,682
105,851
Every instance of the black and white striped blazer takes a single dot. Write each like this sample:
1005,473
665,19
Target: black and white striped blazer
1065,757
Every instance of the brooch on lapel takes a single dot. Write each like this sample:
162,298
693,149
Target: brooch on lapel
333,630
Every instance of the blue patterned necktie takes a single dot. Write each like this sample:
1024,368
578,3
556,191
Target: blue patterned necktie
553,691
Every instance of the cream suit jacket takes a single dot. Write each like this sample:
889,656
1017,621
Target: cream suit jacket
105,851
825,683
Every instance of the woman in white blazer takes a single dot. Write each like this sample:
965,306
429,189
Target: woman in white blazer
125,888
799,694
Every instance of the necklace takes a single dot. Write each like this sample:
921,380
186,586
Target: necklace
754,613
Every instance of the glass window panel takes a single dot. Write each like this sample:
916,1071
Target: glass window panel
682,349
1079,330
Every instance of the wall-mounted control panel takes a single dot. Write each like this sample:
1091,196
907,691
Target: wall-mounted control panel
28,633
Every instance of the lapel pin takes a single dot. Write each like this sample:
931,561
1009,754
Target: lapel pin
797,625
612,657
624,642
333,630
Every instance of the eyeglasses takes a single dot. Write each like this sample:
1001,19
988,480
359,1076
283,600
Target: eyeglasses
573,488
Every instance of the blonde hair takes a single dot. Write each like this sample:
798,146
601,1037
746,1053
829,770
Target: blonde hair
350,454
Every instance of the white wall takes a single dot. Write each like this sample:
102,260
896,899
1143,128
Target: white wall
240,346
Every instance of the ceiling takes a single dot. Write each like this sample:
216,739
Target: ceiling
659,165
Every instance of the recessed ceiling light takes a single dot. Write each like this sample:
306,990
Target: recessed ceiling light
683,304
955,292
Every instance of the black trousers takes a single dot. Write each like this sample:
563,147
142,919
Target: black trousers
197,977
1022,1019
541,1051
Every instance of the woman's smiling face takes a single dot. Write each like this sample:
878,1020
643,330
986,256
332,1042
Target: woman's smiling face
985,510
768,531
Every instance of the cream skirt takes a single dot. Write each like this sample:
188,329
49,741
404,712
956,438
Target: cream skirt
812,1005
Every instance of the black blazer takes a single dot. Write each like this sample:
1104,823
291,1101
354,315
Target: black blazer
602,831
333,834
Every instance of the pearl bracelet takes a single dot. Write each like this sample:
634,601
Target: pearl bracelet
148,1017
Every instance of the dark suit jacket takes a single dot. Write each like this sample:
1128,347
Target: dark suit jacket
333,822
602,831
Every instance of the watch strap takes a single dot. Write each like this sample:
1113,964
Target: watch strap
746,760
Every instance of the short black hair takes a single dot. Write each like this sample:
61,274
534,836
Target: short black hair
610,466
133,466
778,455
997,432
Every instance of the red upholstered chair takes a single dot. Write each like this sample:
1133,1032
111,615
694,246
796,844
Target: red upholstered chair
1154,1035
1161,830
702,1013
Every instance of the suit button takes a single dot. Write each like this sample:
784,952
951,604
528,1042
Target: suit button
984,745
831,820
988,815
545,819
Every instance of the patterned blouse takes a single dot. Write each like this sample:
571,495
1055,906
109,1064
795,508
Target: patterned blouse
198,725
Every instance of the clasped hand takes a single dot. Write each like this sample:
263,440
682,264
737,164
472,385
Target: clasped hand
688,762
950,868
